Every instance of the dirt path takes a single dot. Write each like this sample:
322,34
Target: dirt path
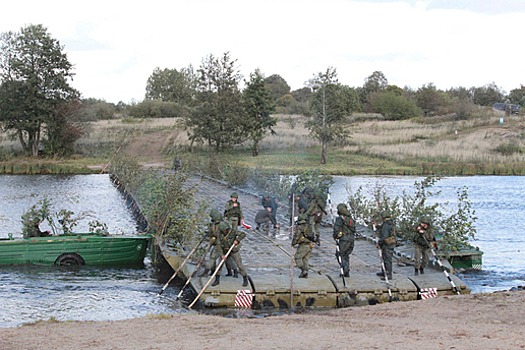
478,321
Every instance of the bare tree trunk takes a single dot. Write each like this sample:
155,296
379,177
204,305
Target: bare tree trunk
323,152
255,148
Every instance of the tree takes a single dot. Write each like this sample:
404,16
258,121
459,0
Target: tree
259,106
487,95
430,99
375,83
170,85
277,86
219,116
35,78
517,96
393,106
329,109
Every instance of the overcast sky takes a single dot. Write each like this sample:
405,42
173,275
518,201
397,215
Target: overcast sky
115,45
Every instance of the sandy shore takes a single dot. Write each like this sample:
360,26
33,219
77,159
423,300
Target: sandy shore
477,321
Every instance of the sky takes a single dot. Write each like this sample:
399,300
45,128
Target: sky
116,45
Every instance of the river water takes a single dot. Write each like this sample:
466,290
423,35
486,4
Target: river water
499,204
30,293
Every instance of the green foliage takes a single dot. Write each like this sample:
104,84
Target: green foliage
431,100
258,106
457,226
159,109
36,214
98,228
42,211
487,95
277,86
219,118
170,85
35,78
165,200
93,109
517,96
508,149
393,106
330,106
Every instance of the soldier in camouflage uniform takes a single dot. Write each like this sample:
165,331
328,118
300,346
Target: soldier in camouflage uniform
344,235
424,239
233,211
213,234
386,242
227,238
315,213
305,239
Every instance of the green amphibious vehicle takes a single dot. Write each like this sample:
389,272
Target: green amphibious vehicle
75,249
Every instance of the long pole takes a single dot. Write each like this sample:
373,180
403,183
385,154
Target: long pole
212,276
337,248
182,264
292,254
436,257
199,263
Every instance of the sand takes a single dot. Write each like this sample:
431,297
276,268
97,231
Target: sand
476,321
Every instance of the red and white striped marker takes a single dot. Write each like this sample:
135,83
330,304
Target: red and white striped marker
243,299
427,293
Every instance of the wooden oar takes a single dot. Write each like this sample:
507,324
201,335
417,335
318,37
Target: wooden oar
183,263
212,276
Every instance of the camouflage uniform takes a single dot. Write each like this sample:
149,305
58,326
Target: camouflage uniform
270,202
233,211
315,213
304,238
264,217
213,234
423,239
386,230
344,234
227,238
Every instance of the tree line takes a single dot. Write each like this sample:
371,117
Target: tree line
218,106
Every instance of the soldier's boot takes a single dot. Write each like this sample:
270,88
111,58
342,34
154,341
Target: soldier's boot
416,272
346,274
229,272
204,273
235,273
244,281
304,274
422,271
217,281
380,274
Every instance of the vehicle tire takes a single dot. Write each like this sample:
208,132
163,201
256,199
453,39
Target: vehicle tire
69,259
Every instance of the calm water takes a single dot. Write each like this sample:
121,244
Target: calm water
31,293
499,202
39,293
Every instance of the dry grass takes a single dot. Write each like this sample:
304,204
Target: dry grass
375,144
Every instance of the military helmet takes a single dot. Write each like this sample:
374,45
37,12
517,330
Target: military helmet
302,218
386,214
215,215
234,195
341,207
426,220
223,226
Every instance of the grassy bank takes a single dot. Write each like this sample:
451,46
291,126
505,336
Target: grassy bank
438,145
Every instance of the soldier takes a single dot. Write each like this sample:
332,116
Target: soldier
305,240
386,242
213,234
424,239
344,235
270,202
233,211
315,213
227,238
264,217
